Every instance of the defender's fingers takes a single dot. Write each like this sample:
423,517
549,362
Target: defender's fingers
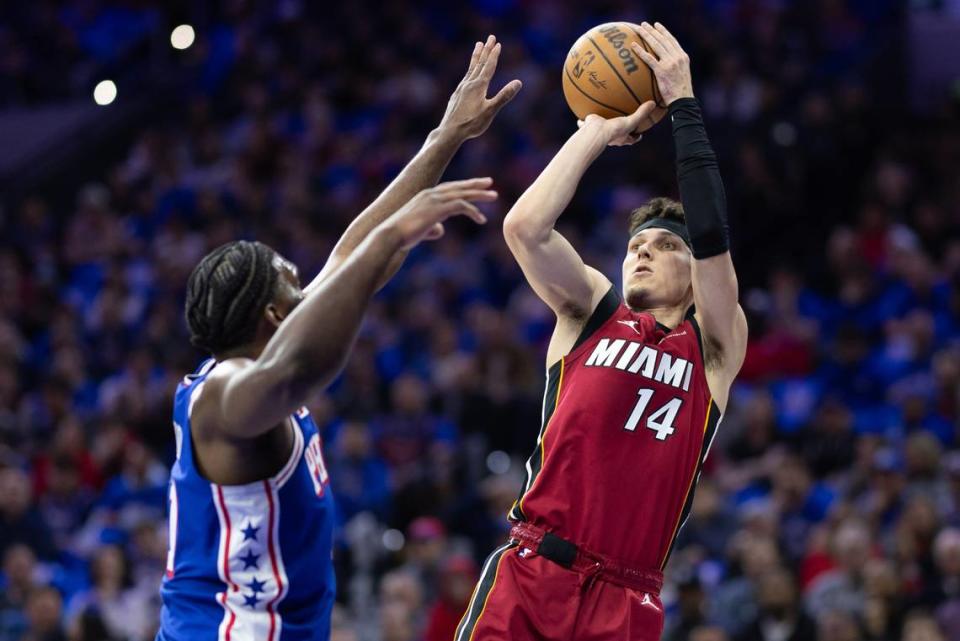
475,195
484,54
505,95
469,210
490,67
474,58
469,183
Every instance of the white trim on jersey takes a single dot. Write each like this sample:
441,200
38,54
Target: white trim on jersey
713,436
492,561
178,438
194,395
204,369
287,470
223,565
276,558
172,529
543,429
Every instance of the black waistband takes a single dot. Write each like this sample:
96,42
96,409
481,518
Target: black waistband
558,550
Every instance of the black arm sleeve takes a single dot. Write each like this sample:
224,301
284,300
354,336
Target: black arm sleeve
701,189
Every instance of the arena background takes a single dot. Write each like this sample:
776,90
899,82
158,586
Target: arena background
831,499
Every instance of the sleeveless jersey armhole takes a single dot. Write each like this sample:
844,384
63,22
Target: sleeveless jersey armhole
691,316
606,308
194,395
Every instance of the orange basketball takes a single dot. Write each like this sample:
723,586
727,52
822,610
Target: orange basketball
602,75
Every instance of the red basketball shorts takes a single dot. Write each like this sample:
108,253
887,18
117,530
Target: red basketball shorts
523,596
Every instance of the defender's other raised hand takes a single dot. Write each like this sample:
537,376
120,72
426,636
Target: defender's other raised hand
671,65
422,217
620,131
469,112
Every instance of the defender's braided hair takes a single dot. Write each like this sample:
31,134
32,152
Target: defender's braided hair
226,294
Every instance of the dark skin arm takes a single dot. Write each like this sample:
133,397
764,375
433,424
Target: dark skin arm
468,114
245,397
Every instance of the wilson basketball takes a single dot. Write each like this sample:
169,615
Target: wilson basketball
602,75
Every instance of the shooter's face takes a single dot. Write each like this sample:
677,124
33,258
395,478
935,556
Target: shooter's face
656,270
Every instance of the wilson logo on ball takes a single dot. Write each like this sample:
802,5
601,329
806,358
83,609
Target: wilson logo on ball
618,39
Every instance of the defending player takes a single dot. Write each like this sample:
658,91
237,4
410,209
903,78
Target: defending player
636,384
250,508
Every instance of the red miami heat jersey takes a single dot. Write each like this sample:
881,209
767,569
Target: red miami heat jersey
627,422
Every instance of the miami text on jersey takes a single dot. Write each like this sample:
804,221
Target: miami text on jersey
647,361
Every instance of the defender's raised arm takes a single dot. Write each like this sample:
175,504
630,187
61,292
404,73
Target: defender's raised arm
247,396
469,113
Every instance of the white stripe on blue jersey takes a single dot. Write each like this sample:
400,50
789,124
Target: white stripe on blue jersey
248,562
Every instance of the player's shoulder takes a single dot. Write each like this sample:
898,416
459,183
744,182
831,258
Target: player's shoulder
208,386
189,383
223,370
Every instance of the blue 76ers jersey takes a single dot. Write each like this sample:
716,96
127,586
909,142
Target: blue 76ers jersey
248,562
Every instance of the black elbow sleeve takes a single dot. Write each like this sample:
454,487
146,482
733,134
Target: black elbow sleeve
701,189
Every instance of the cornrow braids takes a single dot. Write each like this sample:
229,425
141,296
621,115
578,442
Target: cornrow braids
226,294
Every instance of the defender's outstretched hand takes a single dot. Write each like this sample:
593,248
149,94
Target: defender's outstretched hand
422,217
671,65
469,112
622,130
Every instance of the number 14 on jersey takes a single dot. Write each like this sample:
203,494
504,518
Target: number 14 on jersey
660,421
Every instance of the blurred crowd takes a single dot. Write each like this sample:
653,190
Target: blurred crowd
829,507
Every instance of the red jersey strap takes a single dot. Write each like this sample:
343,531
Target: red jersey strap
603,312
611,303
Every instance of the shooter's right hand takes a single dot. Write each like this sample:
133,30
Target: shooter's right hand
623,130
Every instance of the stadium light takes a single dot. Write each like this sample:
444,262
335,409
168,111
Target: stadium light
105,92
393,540
498,462
182,37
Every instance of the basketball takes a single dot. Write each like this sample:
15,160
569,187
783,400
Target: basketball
603,76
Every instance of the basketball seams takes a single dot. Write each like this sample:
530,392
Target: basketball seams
614,69
589,97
